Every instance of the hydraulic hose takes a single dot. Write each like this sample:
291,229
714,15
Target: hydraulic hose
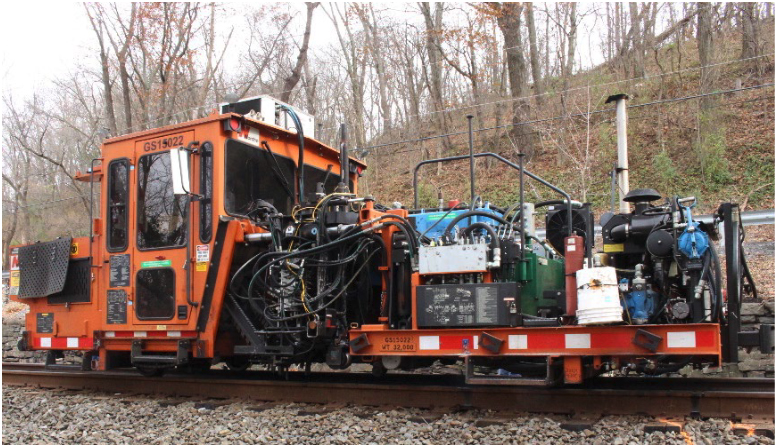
555,202
455,220
481,225
301,159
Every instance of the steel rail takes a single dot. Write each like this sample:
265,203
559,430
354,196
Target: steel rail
698,397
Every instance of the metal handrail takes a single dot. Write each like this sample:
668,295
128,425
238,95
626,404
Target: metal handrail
503,160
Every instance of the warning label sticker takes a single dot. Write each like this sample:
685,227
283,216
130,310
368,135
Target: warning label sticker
202,266
252,136
14,260
15,278
203,253
13,285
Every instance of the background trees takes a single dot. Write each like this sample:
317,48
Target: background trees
536,75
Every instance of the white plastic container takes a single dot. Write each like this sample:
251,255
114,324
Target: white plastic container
598,301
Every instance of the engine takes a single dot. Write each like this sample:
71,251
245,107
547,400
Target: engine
667,267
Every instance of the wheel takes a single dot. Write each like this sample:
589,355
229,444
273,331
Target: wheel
150,371
378,370
237,364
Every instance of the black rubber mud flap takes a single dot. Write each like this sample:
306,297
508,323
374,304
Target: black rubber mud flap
490,342
647,340
359,343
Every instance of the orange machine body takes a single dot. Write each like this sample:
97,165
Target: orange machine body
111,318
142,244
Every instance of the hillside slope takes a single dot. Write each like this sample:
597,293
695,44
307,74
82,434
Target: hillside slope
731,159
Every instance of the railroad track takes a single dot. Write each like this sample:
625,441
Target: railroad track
740,398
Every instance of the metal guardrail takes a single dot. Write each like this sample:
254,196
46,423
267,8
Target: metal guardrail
751,218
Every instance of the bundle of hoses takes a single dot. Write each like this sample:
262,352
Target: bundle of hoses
281,284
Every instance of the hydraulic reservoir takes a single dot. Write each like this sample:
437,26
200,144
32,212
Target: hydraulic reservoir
542,293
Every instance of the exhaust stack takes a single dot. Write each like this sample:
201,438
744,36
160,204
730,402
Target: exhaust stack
622,170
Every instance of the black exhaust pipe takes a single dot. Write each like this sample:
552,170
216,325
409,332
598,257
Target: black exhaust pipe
344,187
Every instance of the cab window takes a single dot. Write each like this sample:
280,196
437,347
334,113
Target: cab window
118,191
251,176
161,214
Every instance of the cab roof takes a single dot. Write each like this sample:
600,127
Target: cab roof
309,142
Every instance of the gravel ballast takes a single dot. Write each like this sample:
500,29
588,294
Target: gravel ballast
52,416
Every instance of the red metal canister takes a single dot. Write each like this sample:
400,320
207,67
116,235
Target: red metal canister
574,256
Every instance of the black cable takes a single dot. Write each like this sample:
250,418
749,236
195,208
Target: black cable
301,158
277,170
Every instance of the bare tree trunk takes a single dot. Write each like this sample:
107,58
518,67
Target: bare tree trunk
704,38
638,65
128,32
433,28
410,79
374,45
9,234
534,56
296,72
566,75
509,21
311,82
355,75
98,25
608,14
749,30
571,46
547,41
618,37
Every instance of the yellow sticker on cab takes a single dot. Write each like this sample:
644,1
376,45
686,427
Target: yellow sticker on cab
15,278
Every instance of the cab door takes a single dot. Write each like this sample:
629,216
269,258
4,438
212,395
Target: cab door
162,229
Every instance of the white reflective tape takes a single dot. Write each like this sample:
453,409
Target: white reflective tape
680,339
45,342
518,341
577,341
475,341
141,334
173,333
110,334
72,342
571,248
429,343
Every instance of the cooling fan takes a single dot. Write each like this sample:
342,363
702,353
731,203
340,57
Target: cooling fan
556,228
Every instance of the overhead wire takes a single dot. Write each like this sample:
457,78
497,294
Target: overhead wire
569,90
581,114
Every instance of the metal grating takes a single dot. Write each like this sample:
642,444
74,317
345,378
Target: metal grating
77,283
43,268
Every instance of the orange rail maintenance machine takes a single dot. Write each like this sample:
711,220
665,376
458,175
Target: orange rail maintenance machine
238,238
